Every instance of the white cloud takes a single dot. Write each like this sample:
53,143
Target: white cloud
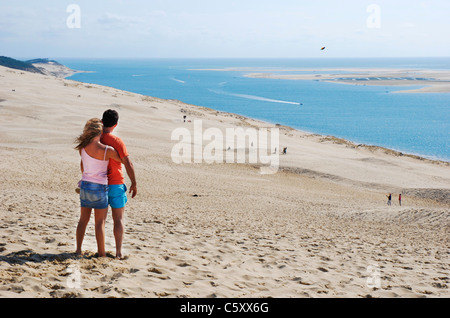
223,28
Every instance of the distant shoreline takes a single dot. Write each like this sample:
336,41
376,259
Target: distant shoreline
434,81
59,71
331,138
42,66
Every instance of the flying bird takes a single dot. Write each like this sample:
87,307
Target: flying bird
323,48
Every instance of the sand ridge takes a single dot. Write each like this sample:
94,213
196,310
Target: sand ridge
317,228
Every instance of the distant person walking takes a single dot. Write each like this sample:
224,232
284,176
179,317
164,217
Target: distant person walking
117,194
389,199
400,199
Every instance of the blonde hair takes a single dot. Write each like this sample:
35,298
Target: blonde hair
92,129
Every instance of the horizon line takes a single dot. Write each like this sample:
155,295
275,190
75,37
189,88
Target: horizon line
226,58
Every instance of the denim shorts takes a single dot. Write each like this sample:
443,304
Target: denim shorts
93,195
117,196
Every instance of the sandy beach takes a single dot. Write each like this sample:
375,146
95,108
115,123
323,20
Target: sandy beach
319,227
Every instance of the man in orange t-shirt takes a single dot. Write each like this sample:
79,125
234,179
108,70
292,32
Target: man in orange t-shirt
117,193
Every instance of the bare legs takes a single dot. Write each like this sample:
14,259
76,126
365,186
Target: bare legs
100,219
117,215
81,228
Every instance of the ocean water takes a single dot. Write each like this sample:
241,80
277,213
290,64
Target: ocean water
416,123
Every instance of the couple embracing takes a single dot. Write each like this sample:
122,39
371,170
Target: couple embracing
102,183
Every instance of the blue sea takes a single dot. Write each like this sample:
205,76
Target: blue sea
416,123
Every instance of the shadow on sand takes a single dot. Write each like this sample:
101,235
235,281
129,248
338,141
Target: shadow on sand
25,256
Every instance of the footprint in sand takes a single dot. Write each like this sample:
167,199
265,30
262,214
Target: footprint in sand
154,270
184,264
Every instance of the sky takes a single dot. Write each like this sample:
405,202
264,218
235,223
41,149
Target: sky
224,28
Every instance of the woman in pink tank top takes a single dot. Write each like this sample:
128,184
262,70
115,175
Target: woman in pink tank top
94,182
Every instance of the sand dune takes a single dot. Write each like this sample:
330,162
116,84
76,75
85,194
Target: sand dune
320,227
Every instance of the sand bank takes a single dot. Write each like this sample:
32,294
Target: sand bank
427,81
433,81
320,227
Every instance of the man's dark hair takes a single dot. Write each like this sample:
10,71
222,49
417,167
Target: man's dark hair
110,118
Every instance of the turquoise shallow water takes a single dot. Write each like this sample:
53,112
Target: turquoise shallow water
411,123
